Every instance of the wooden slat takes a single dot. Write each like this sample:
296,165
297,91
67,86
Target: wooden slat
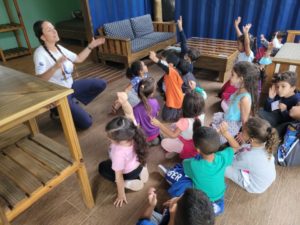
13,135
25,180
118,47
40,171
283,67
46,157
10,192
298,77
53,146
111,46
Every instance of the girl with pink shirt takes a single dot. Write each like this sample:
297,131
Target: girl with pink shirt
126,165
180,140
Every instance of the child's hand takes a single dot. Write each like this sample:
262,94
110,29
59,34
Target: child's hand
152,197
246,28
272,91
239,138
155,122
122,97
120,200
223,128
179,22
192,84
171,202
282,107
237,21
153,57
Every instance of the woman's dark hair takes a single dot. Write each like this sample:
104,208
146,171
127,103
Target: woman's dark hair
145,89
192,106
288,76
194,208
193,54
172,58
206,139
38,30
250,74
262,131
134,70
184,66
123,129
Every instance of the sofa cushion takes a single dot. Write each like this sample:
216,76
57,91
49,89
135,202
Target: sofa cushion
138,44
142,25
119,29
159,36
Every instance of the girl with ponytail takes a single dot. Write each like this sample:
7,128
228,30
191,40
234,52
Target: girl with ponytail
254,169
127,165
180,140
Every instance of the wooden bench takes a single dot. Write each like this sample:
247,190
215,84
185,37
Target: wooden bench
216,54
291,35
119,49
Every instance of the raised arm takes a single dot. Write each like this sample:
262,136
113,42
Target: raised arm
183,45
166,130
86,52
223,130
245,107
237,21
246,29
127,108
156,60
152,201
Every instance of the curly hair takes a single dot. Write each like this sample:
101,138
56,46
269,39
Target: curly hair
262,131
250,74
123,129
287,76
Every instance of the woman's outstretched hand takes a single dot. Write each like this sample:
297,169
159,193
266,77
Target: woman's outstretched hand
96,42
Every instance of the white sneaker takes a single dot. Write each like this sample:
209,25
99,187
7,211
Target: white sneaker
134,185
144,175
162,170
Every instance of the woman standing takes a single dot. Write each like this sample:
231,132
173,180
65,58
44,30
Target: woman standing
55,63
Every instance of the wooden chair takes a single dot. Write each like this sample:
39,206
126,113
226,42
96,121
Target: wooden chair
291,35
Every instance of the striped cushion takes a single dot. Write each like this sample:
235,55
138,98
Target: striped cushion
138,44
142,25
159,36
119,29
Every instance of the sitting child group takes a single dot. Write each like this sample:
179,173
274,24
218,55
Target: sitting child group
238,144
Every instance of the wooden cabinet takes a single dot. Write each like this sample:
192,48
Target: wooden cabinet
16,27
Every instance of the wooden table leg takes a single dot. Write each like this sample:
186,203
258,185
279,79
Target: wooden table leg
72,139
221,76
32,124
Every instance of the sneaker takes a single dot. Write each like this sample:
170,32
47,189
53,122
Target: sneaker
170,155
162,170
144,175
134,185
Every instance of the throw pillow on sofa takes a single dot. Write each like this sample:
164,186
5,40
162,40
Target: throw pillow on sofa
142,25
119,29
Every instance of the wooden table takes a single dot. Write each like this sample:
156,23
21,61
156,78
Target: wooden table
32,164
216,54
288,58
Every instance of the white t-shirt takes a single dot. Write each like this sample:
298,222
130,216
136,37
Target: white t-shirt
242,57
43,62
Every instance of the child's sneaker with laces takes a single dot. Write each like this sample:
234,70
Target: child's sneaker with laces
162,170
134,185
144,175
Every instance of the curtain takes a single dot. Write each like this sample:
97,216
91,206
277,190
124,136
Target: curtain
105,11
215,18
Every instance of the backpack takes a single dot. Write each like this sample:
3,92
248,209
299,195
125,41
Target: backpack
288,153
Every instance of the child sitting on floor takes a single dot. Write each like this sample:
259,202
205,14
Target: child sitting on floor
173,82
282,97
126,165
245,44
254,169
244,77
192,208
135,74
180,140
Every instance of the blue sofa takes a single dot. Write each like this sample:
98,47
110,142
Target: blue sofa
132,39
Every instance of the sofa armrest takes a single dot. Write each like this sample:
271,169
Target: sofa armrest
118,46
164,26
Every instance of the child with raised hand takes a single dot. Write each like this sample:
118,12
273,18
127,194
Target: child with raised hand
245,44
245,78
254,169
179,141
173,82
135,74
282,97
193,208
126,165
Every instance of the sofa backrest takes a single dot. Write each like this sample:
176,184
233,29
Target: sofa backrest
142,25
119,29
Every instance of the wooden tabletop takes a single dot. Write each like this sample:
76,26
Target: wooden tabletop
217,48
290,51
22,94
